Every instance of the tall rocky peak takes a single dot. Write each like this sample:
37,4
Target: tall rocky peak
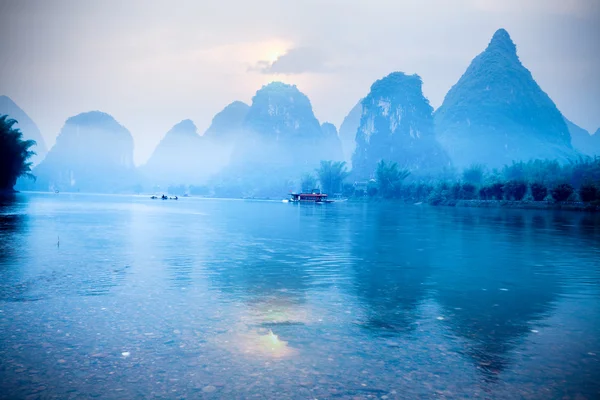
502,43
348,130
281,111
497,113
227,124
26,125
281,130
93,152
397,125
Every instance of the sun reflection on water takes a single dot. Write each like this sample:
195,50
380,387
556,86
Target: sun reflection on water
258,330
257,342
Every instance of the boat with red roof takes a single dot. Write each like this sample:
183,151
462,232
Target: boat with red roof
315,196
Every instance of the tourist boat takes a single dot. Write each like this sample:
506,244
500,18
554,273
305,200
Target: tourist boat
314,197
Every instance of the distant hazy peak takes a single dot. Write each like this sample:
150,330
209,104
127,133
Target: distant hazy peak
329,129
351,121
277,85
97,119
348,128
573,125
7,100
281,92
228,121
597,132
236,111
186,126
25,124
502,42
237,105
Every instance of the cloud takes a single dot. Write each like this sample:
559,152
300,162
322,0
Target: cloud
579,8
297,60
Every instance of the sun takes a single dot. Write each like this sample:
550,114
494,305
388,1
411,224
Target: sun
268,51
273,56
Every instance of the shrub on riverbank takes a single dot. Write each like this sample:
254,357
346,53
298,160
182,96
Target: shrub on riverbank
589,192
562,192
515,190
539,191
493,191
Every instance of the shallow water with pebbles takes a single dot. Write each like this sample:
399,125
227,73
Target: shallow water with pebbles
201,298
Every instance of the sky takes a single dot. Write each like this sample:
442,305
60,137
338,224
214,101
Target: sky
152,63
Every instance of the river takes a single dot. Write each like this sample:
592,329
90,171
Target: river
127,297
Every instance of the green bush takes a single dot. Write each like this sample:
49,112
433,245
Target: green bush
494,191
539,191
583,171
484,193
348,190
438,197
562,192
515,190
517,171
463,191
455,191
423,191
372,190
474,174
588,192
468,191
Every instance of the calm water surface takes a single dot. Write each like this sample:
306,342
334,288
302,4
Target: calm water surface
128,297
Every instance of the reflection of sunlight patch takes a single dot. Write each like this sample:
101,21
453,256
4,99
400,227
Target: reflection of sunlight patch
260,343
276,312
255,334
272,343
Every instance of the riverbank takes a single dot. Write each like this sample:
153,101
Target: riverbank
7,192
531,205
510,204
